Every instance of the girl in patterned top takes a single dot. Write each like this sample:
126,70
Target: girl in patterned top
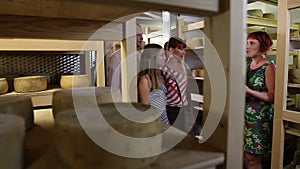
151,86
260,87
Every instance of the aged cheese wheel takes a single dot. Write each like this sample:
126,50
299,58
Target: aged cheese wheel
18,105
269,15
255,12
30,83
74,81
294,75
12,133
77,150
64,99
198,72
3,85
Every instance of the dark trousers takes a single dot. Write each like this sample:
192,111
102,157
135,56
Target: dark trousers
177,115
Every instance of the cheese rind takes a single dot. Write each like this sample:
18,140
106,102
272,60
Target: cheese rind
66,98
3,85
30,83
77,150
74,81
18,105
12,133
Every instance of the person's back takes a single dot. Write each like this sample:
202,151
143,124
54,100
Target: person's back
114,62
151,88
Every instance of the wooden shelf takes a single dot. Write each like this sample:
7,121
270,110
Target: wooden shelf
40,98
197,97
292,131
271,2
294,85
256,21
199,78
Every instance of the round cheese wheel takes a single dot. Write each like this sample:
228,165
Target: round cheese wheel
255,12
3,85
18,105
294,75
77,150
74,81
12,133
64,99
30,83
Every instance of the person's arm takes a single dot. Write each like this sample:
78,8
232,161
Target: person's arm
270,83
115,71
144,90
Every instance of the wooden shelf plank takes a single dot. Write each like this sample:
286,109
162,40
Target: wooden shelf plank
291,116
252,20
294,85
293,4
293,131
46,45
193,26
197,97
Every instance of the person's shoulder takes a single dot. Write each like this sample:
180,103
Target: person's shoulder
116,53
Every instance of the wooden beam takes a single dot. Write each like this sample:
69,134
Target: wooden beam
293,4
46,45
193,26
67,9
52,28
267,22
212,5
280,84
291,116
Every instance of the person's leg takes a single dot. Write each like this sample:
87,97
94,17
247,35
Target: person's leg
172,113
252,161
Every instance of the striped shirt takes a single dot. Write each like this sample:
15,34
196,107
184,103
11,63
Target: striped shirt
176,84
157,100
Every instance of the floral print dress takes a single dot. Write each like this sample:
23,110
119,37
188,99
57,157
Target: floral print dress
258,115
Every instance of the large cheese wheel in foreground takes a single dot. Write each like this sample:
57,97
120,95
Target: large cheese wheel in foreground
66,98
76,150
74,81
12,132
30,83
18,105
3,85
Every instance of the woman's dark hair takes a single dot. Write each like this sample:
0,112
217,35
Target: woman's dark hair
264,40
148,64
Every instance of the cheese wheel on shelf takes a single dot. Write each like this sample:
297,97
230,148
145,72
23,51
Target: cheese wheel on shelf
77,150
66,98
74,81
12,133
3,85
30,83
18,105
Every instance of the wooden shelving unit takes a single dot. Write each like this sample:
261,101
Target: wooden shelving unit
281,115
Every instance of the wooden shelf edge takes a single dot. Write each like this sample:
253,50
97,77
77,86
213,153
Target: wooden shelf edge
290,115
252,20
292,131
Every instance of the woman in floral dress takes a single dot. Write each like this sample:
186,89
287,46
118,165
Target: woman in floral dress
260,87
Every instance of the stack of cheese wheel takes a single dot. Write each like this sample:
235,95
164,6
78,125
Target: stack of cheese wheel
74,81
30,83
77,150
12,133
82,97
18,105
3,85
